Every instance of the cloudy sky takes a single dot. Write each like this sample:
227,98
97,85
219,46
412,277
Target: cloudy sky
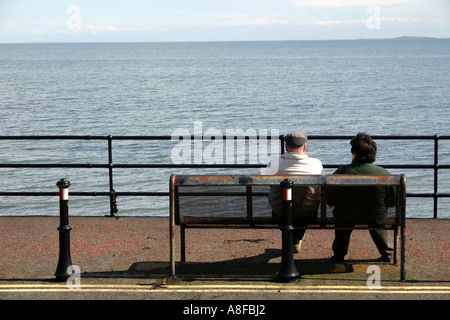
219,20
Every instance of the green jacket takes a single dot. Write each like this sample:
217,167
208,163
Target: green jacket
361,204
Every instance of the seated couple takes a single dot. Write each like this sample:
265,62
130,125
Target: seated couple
350,203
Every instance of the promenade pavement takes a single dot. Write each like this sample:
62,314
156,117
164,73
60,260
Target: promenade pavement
128,259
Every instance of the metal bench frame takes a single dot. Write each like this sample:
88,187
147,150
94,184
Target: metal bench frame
176,181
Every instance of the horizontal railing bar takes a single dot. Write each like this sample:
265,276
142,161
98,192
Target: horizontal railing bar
13,193
225,194
156,193
381,137
165,137
53,165
428,195
175,138
401,166
47,137
158,165
83,194
225,166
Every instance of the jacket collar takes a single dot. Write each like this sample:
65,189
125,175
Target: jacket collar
290,155
359,163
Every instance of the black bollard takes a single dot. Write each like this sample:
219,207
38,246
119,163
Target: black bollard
64,232
288,271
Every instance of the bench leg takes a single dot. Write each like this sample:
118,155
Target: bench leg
402,255
172,248
395,258
183,242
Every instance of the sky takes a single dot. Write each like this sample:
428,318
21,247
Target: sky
219,20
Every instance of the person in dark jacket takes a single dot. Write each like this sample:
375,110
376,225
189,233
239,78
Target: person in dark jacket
363,205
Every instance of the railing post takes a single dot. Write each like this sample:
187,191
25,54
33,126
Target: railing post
172,205
403,228
436,176
112,193
64,232
288,271
282,144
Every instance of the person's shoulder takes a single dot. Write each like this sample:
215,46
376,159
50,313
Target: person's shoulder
380,170
342,169
315,160
316,165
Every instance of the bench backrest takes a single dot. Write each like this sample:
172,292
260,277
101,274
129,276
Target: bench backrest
243,198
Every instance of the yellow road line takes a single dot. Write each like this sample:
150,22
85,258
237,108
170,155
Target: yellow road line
222,288
224,291
300,287
215,286
308,289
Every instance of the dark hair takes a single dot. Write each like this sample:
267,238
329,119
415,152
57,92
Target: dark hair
364,148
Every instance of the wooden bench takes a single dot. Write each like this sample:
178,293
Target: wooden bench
240,201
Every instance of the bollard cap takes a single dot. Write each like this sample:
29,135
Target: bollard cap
63,183
286,183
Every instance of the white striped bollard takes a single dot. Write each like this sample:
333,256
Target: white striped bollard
64,228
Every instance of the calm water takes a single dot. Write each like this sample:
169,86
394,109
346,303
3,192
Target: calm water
382,87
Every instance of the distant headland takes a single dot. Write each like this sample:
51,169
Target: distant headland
413,37
398,38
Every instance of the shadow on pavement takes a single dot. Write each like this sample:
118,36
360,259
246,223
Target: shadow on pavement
252,268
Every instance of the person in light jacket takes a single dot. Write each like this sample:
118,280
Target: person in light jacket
305,200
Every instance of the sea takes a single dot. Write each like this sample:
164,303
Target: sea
384,87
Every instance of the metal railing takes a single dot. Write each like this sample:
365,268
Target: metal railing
112,194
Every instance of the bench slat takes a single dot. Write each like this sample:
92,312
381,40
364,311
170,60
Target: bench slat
306,180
